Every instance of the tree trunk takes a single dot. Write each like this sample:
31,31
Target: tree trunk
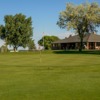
81,45
15,48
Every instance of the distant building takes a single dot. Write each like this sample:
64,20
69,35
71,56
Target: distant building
3,48
90,41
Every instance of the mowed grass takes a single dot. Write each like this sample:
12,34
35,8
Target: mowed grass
49,76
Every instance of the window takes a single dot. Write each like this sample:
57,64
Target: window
98,44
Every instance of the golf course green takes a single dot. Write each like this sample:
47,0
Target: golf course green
49,76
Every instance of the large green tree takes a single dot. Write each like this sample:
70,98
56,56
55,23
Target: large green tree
46,41
17,30
83,19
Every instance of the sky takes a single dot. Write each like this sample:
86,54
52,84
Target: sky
44,13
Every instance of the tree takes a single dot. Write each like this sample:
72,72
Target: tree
31,45
17,30
2,32
83,19
46,41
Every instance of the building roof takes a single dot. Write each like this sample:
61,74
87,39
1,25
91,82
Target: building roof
88,38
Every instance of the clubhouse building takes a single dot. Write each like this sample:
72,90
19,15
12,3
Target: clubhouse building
90,41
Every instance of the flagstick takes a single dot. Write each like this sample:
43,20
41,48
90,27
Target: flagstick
43,40
40,56
40,49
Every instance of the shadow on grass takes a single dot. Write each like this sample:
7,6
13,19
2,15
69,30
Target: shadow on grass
95,52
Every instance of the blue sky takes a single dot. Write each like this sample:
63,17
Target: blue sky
44,14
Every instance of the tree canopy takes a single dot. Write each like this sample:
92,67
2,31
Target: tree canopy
17,30
46,41
83,19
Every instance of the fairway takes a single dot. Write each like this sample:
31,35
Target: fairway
49,76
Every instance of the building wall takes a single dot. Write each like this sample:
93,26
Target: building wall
68,46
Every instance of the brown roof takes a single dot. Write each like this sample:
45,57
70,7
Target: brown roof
94,38
88,38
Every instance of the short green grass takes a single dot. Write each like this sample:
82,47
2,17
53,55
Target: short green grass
49,76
